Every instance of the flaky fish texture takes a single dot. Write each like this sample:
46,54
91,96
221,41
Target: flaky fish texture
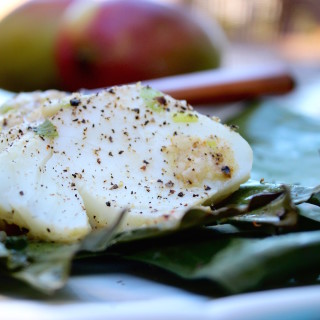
72,163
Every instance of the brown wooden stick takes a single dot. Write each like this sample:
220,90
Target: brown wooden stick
226,85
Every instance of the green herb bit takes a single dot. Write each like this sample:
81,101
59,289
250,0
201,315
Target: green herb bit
153,99
46,130
184,117
211,143
5,108
50,109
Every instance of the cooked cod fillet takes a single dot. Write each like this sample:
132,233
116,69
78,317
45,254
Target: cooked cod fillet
72,163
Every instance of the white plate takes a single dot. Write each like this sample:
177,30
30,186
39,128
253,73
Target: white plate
123,296
115,295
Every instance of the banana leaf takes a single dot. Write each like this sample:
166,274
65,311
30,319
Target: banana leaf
46,266
285,143
267,232
237,264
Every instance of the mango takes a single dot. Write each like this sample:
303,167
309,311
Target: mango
27,37
114,42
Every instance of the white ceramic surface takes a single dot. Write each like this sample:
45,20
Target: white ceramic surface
123,296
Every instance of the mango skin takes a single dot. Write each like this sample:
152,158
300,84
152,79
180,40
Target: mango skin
26,40
124,41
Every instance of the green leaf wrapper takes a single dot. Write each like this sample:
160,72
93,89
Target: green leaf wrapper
46,266
265,233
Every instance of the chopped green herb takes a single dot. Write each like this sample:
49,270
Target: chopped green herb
46,130
5,108
52,108
211,143
153,99
184,117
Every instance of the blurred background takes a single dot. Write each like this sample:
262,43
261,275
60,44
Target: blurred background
254,32
290,28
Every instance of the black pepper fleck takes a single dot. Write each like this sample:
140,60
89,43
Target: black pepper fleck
169,184
75,102
161,100
226,171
